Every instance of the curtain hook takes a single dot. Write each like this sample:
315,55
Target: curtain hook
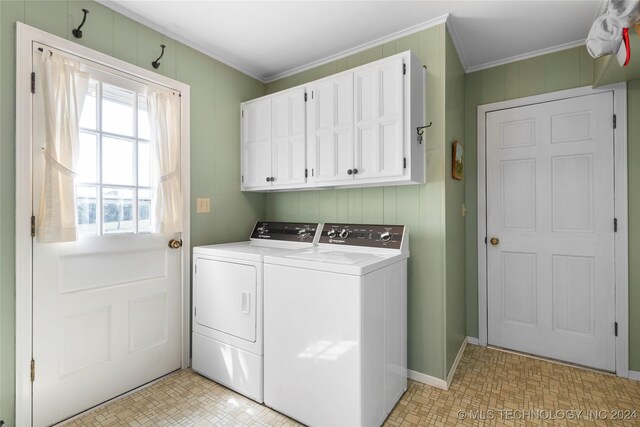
156,63
77,32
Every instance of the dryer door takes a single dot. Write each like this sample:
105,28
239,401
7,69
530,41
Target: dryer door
225,297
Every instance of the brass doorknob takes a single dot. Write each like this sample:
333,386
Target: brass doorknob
175,244
494,241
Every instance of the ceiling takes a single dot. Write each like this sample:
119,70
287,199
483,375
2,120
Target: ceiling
271,39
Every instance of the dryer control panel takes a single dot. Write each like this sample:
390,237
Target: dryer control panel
285,231
367,235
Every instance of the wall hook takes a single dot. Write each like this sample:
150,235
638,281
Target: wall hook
77,32
156,63
420,131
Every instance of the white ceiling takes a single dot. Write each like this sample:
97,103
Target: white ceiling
272,39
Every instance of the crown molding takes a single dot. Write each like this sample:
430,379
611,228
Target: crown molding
533,54
457,44
116,7
376,42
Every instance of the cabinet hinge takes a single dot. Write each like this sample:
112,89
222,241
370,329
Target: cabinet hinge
33,370
615,327
615,121
195,311
404,163
404,68
242,113
311,94
33,82
242,179
305,97
615,225
33,226
306,173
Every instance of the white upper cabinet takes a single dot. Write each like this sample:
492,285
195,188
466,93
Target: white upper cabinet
330,129
355,128
256,144
288,137
379,109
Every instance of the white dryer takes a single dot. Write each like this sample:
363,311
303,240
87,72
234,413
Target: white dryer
227,332
336,326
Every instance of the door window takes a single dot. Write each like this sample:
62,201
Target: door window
113,186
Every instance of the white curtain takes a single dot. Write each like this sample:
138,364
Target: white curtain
62,87
164,116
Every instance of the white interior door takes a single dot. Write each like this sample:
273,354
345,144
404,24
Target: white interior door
107,307
550,204
288,130
379,99
256,144
330,128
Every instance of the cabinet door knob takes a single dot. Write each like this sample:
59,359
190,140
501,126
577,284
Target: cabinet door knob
268,179
349,172
355,171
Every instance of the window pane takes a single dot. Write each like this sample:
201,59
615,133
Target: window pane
87,203
144,164
117,110
143,118
117,210
89,119
88,161
144,211
117,161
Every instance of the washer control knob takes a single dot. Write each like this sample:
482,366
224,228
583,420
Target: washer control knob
385,236
344,233
261,230
304,232
332,233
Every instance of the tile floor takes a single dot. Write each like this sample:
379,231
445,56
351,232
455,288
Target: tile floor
496,383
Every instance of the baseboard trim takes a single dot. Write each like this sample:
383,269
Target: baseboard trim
427,379
437,382
452,372
473,341
634,375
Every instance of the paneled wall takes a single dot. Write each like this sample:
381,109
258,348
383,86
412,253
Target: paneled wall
420,207
216,92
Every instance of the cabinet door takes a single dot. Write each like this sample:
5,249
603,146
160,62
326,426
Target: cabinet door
330,123
289,154
379,101
256,144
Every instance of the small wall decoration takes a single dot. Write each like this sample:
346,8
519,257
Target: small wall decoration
457,160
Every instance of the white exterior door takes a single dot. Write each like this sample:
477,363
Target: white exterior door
330,124
256,144
288,131
107,307
379,106
550,205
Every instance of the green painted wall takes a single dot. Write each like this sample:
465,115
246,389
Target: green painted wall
454,199
420,207
548,73
633,160
216,92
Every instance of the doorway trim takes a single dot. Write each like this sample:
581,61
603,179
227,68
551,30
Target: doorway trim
26,35
621,257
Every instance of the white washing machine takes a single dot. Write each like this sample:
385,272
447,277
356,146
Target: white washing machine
227,332
335,326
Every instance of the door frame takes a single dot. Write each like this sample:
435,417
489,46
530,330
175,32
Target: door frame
26,35
621,256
